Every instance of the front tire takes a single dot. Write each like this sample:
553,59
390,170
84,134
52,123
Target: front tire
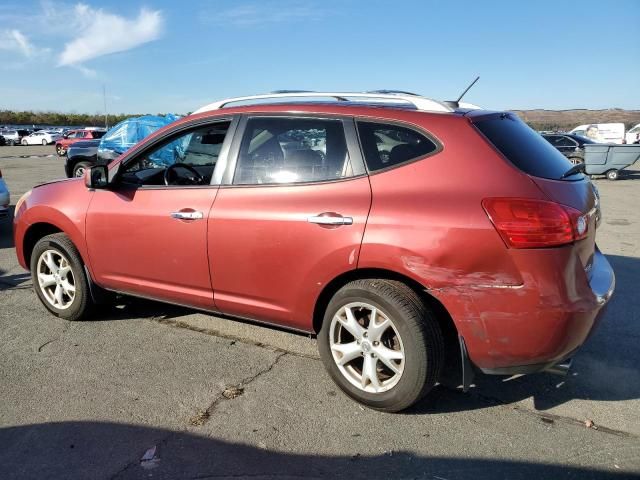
59,278
612,174
25,143
80,168
60,151
381,344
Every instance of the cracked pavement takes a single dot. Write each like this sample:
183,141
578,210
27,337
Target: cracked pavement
88,399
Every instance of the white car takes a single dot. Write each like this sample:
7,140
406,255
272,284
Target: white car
4,199
41,137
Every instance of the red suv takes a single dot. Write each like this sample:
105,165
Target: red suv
410,235
73,136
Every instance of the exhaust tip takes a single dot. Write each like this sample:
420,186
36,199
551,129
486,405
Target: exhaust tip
561,368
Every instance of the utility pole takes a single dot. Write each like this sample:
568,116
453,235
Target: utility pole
104,98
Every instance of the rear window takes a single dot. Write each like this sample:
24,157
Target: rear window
524,147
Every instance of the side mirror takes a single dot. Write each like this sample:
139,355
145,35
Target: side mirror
97,177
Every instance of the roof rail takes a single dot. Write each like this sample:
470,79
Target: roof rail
420,103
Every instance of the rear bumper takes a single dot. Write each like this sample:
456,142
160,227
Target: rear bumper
527,329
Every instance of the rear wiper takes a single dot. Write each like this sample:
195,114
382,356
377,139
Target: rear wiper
577,168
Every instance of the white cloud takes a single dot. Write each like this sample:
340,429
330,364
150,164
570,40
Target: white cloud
255,14
16,41
104,33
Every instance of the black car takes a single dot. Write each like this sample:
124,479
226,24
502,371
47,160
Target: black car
84,154
80,156
571,146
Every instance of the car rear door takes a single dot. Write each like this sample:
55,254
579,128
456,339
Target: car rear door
288,218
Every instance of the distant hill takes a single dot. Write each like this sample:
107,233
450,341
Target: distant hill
569,119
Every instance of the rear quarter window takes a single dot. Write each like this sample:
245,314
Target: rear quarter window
524,147
387,145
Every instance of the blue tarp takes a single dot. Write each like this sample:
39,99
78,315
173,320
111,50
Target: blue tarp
127,133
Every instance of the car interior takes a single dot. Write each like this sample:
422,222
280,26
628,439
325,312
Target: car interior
276,150
188,159
386,145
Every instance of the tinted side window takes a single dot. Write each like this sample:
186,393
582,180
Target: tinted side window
565,142
387,145
292,150
524,147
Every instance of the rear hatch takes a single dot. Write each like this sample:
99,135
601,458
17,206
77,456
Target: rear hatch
547,168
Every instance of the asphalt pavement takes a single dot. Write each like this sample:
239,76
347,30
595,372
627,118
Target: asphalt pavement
148,390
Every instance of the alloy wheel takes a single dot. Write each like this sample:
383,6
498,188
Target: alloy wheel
366,347
79,172
55,279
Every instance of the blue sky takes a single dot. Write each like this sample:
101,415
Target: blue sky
170,56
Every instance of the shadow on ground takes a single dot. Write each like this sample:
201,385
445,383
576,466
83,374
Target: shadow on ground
605,369
115,451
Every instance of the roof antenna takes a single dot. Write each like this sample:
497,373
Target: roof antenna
456,103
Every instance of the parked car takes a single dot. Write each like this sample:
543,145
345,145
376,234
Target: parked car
4,198
113,143
601,132
73,136
570,145
40,137
14,136
3,142
80,156
610,160
470,246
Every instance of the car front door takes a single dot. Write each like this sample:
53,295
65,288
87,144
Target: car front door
147,234
289,217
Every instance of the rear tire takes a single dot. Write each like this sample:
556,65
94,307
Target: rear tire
385,368
80,168
59,277
25,143
612,174
44,142
60,151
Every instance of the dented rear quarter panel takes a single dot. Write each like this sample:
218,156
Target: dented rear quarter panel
427,222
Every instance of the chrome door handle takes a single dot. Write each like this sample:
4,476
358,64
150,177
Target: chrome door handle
322,220
189,215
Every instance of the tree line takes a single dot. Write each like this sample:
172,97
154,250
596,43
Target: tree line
9,117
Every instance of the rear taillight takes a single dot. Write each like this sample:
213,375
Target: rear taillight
527,223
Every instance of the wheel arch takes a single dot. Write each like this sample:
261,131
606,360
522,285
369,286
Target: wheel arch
442,315
447,325
33,234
